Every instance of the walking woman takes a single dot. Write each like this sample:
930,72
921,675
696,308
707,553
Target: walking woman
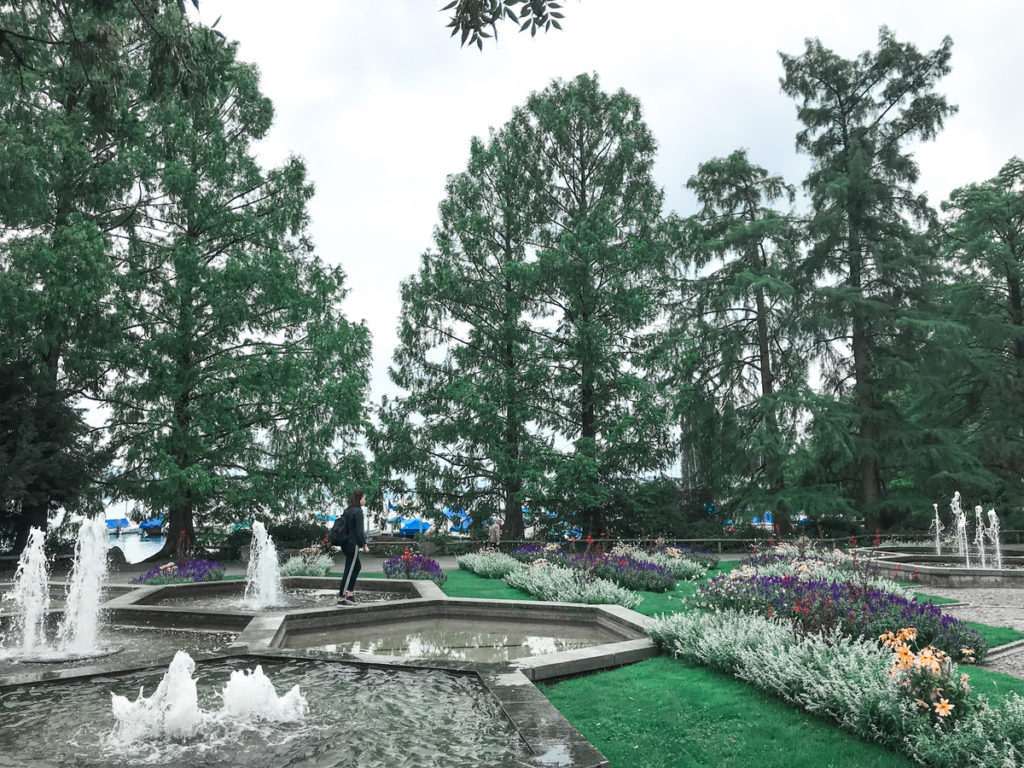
355,539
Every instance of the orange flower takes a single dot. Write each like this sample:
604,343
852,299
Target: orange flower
943,708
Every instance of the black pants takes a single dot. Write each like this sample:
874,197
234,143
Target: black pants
352,567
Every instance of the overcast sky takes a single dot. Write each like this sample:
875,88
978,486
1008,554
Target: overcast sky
382,104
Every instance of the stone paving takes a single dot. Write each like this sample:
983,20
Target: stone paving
997,607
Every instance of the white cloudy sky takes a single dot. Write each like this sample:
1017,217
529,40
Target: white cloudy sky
382,104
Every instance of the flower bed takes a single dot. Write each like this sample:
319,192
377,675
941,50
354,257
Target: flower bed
818,606
531,553
410,566
569,585
489,564
813,563
858,684
692,554
185,572
626,571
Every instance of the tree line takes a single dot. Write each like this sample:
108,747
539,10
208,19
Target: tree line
565,345
169,335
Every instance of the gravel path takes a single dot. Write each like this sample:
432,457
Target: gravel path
995,607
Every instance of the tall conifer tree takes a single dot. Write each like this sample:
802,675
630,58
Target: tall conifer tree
867,263
600,258
468,359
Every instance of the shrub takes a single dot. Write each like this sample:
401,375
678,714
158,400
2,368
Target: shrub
410,566
296,532
185,572
313,564
489,564
693,554
683,568
569,585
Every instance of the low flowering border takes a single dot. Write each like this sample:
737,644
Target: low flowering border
848,681
410,566
184,572
570,585
814,606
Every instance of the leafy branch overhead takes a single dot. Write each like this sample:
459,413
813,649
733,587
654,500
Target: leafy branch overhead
471,18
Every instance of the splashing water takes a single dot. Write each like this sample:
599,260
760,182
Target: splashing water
937,527
960,521
80,626
31,594
263,576
173,712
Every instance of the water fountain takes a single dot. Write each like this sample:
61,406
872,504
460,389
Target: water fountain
937,528
979,536
993,534
263,576
215,713
31,595
173,710
978,561
960,522
79,629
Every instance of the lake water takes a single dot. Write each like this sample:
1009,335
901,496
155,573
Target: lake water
137,548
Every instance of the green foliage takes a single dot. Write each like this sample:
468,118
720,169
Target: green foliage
468,359
240,374
659,508
733,299
75,167
868,271
471,18
297,532
597,274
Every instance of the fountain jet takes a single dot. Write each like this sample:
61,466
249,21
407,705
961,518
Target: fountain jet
79,629
31,594
263,576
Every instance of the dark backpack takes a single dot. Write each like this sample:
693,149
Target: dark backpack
340,529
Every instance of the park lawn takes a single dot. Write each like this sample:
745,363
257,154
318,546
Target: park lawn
934,599
995,636
665,713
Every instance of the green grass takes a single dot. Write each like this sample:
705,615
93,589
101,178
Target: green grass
466,584
934,599
663,713
991,684
995,635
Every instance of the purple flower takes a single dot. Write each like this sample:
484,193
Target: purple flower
415,567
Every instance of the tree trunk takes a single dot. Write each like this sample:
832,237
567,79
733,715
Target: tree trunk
773,461
868,429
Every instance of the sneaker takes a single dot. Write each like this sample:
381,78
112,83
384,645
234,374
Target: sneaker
346,601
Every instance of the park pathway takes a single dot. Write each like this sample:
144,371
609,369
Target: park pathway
997,607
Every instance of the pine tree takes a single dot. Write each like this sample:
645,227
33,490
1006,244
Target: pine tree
736,312
468,358
868,264
242,384
600,256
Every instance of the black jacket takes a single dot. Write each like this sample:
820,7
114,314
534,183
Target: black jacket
356,528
